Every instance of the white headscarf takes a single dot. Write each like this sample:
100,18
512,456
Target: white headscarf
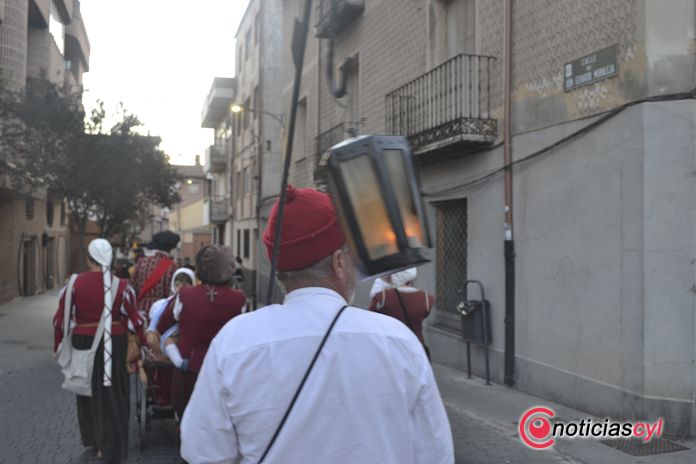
400,279
100,250
182,270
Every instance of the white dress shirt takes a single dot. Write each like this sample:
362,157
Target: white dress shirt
371,397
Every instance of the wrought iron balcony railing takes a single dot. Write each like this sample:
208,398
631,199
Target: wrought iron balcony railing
324,141
344,12
445,107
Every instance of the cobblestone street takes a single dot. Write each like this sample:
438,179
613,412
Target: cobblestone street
39,418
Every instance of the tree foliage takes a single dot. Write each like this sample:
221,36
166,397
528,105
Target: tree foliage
111,176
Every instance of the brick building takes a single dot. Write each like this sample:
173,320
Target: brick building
38,38
601,123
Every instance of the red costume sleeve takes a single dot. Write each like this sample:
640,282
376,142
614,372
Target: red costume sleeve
131,310
167,319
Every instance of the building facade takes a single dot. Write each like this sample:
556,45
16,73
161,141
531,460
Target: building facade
216,115
258,127
602,119
38,39
187,218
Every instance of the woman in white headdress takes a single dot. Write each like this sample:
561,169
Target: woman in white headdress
95,295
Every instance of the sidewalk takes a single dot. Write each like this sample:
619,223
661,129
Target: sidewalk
498,408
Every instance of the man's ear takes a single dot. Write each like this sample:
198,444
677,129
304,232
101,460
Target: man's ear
339,263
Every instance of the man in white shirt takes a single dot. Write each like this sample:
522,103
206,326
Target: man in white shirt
370,398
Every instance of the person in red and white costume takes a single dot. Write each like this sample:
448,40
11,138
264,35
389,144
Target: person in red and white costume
201,311
103,417
401,300
371,396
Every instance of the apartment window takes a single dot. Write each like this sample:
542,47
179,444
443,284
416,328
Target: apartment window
257,103
239,242
246,243
62,213
49,213
245,181
238,187
451,252
247,44
300,143
240,59
247,104
352,99
29,209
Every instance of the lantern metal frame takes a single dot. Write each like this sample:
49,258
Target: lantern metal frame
374,146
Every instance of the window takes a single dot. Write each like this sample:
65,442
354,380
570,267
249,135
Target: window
247,44
62,213
246,243
245,181
29,209
239,58
352,98
257,103
451,252
49,213
238,187
300,143
247,105
239,242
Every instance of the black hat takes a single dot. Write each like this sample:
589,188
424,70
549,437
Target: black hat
164,241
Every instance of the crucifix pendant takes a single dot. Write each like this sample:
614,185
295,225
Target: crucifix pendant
212,294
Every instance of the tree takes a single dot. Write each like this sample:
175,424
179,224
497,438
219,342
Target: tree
40,126
109,177
113,177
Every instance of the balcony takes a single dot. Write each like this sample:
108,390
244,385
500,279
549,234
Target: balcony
447,109
324,141
344,12
215,159
219,209
217,103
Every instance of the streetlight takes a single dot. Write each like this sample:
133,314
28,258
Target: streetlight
238,108
375,189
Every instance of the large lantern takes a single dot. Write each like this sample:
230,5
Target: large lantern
376,193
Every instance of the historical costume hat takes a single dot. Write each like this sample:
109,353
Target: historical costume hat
402,278
164,241
215,265
310,231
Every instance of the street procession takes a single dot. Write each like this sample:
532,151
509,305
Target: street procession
347,231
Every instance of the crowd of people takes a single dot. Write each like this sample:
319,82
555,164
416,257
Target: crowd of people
311,380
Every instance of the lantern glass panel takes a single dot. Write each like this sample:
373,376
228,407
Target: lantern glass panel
370,211
396,167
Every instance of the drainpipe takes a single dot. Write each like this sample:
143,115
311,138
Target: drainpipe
509,244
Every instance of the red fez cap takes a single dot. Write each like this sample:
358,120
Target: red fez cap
311,231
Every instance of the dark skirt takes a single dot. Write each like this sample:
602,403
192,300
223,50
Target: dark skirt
103,417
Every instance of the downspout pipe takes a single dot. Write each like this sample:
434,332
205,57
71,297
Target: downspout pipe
509,244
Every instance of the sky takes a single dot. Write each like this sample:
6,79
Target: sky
159,58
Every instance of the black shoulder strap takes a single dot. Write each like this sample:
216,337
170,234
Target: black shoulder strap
407,319
299,389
